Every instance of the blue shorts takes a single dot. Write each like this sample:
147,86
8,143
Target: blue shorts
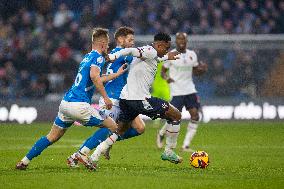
152,107
189,101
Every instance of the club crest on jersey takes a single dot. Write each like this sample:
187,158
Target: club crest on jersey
164,106
100,59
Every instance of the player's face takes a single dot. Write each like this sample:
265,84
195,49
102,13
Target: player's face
128,41
162,48
181,41
105,46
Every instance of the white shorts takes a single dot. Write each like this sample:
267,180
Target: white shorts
113,112
78,111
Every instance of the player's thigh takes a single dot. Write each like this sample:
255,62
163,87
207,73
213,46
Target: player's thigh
91,116
192,104
129,110
173,113
113,112
110,124
178,102
64,119
138,124
159,108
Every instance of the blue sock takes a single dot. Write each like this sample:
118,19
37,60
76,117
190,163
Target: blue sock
131,132
98,137
38,147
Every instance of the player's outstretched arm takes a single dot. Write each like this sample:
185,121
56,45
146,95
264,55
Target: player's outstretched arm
121,70
95,76
136,52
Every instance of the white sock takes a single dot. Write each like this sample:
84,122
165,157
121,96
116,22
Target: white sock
191,130
25,160
171,137
163,130
85,150
103,146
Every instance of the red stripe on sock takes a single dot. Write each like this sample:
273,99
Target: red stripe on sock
111,139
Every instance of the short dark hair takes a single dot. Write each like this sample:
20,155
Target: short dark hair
162,37
123,31
99,32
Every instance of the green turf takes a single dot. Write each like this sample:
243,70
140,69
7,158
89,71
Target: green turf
242,155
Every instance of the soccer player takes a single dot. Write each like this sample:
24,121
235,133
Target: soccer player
182,89
135,97
75,105
124,37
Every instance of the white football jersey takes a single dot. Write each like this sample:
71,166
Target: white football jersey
141,75
180,71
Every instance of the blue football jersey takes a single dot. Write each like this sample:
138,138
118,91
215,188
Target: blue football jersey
114,87
83,89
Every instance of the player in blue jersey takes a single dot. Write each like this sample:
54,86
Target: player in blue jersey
124,37
75,105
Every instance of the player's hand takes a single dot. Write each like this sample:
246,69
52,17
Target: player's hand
122,69
203,66
200,69
170,80
173,55
108,103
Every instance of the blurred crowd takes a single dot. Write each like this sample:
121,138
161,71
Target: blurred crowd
42,43
235,72
195,16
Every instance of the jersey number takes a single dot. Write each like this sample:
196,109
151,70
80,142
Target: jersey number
78,79
109,71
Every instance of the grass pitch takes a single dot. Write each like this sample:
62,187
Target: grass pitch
242,155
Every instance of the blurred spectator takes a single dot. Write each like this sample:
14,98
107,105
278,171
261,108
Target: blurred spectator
42,41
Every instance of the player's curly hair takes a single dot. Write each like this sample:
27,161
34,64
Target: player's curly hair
98,33
162,37
123,31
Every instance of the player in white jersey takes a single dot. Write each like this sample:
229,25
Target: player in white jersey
135,98
182,90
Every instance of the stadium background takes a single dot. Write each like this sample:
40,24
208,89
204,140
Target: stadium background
43,41
242,41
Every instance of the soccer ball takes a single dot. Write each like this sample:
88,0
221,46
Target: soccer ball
199,159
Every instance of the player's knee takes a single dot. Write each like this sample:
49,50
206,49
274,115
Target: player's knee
177,116
173,114
110,124
55,134
195,117
53,137
140,129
